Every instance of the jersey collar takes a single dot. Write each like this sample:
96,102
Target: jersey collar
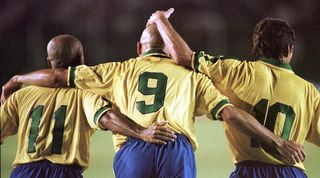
155,53
276,63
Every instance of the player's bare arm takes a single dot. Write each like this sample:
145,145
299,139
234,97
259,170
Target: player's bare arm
177,47
290,152
45,78
120,124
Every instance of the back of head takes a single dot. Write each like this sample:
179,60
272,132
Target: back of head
64,51
271,38
151,38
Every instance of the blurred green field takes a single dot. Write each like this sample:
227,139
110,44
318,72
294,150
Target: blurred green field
213,159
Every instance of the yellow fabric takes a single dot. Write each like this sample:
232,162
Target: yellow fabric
20,110
270,81
166,92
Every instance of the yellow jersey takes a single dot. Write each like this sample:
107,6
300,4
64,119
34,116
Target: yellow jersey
52,124
152,89
283,102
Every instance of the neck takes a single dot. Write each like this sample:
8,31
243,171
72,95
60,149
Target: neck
286,59
148,48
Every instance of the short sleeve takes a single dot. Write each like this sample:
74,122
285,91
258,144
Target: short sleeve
209,100
94,107
219,69
9,117
314,131
97,79
205,63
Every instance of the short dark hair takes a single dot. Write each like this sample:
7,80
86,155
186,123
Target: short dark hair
271,38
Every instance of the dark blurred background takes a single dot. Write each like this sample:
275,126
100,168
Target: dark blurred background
109,29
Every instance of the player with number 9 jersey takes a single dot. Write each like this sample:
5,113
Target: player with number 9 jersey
152,88
270,90
52,124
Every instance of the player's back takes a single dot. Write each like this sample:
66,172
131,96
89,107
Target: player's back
281,101
157,90
51,125
152,89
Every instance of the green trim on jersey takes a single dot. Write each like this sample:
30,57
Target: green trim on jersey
72,76
276,63
102,110
156,53
196,60
212,59
218,107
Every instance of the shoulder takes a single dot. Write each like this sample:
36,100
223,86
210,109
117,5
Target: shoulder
33,89
308,86
221,60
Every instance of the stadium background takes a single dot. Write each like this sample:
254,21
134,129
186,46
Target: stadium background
109,31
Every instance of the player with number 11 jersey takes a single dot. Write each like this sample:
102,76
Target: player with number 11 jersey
57,129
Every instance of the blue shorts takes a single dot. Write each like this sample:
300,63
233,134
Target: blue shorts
46,169
139,159
255,169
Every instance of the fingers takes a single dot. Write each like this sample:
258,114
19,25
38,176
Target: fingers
292,152
161,134
303,154
161,123
157,141
158,14
3,96
162,139
168,13
164,133
294,159
299,154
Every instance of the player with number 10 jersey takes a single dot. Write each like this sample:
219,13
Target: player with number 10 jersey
263,88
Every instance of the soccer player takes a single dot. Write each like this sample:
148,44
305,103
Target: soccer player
283,102
152,88
54,126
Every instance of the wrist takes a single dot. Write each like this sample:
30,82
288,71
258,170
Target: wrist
278,142
14,82
141,133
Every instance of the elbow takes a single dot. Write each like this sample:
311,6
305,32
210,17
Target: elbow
229,115
183,59
52,81
56,78
230,119
106,120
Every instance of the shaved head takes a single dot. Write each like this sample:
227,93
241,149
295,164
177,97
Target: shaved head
64,51
151,38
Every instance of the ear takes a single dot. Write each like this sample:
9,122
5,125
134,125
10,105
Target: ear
290,48
139,48
49,62
290,51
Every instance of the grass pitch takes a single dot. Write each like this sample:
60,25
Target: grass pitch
213,156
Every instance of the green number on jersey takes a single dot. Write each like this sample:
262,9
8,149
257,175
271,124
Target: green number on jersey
34,130
159,91
267,116
58,130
